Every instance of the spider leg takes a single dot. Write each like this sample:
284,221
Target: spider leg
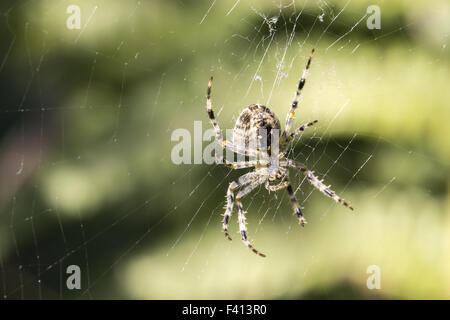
318,184
212,118
301,84
295,205
242,219
237,165
325,189
277,187
219,136
242,180
302,128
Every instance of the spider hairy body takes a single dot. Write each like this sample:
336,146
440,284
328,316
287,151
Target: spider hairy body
259,124
252,122
256,135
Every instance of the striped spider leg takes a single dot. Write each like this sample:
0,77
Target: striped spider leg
285,183
294,105
241,213
248,182
302,128
219,137
317,183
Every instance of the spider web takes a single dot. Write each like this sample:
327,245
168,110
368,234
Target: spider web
166,221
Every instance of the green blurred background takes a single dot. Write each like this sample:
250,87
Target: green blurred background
86,176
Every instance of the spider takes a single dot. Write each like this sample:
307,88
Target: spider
270,169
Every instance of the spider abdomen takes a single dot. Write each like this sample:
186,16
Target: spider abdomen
255,128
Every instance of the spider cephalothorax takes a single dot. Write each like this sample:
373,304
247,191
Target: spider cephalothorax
257,135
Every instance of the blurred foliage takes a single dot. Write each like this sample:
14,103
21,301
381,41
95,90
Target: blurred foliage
86,119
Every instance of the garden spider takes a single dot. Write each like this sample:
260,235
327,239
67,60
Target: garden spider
252,122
